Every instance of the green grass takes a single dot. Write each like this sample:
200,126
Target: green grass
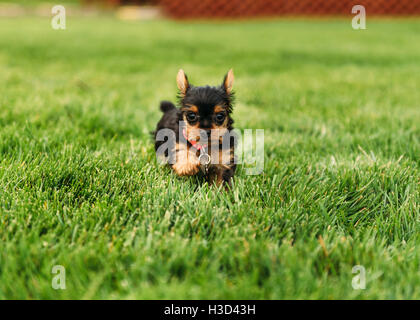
80,186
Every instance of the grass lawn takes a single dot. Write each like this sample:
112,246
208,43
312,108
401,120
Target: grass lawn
80,186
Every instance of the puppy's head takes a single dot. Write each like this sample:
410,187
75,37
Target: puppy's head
206,109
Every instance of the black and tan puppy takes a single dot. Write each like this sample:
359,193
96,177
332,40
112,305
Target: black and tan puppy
202,130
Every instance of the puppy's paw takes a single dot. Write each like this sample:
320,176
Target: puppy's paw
186,168
187,163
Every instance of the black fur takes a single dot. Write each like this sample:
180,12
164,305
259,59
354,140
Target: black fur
170,120
166,106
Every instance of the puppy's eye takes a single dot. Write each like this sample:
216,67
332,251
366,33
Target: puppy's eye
191,117
220,117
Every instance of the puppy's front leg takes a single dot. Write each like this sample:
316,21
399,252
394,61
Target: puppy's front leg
187,163
223,170
221,174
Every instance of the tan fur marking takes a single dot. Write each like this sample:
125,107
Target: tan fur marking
218,109
187,163
191,107
229,81
182,82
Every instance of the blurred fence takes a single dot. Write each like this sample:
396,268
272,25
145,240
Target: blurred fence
254,8
251,8
122,2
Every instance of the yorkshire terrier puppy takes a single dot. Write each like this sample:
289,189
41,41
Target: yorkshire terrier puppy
201,126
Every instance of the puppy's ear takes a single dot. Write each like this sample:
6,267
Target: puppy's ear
228,81
182,81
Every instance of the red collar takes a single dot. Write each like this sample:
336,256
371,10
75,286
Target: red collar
194,143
